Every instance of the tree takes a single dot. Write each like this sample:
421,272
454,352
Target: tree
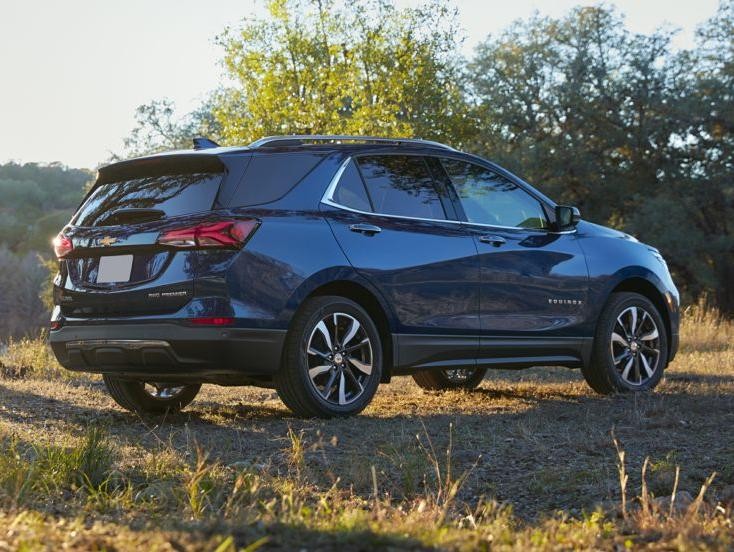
313,67
157,128
623,127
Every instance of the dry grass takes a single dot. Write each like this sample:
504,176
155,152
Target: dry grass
527,461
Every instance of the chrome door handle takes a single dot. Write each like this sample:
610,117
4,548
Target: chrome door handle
367,229
494,240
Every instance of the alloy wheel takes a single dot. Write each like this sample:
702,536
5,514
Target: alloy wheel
339,358
459,375
635,346
162,391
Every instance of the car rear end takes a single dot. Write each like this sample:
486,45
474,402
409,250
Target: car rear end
127,296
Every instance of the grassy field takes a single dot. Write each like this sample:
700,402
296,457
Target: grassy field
530,460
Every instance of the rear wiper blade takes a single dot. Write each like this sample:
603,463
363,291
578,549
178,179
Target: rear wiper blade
131,215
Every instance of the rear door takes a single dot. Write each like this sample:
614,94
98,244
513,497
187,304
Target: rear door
393,222
117,265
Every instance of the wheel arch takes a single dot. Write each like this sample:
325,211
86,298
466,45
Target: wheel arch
369,301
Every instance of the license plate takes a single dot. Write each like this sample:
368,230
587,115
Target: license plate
114,269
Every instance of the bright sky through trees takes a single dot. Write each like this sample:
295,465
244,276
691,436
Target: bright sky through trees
74,71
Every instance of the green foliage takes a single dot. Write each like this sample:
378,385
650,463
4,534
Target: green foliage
36,469
36,201
369,68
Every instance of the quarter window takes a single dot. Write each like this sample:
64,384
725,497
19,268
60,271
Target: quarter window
351,192
489,198
401,185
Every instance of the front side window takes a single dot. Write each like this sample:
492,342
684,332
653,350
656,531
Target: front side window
489,198
401,185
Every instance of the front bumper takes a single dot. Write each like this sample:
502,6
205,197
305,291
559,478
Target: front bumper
170,351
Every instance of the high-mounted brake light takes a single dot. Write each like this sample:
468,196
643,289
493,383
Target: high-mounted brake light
232,233
62,246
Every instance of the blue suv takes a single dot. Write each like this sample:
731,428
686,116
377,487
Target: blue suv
324,265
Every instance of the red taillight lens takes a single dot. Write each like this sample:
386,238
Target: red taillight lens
215,234
62,246
213,321
55,325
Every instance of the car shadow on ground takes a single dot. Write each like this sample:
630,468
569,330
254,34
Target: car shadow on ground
540,449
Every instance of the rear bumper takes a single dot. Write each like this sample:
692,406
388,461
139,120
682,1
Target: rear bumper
170,351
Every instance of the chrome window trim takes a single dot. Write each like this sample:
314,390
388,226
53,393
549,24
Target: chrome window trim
328,199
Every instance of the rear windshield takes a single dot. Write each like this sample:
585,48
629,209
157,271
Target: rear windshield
148,198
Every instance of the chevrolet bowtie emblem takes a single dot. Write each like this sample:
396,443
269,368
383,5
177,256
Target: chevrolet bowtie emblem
107,241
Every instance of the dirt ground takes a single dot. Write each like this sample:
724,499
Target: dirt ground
539,441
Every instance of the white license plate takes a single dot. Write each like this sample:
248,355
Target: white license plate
114,269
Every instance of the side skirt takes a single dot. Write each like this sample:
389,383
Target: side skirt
415,352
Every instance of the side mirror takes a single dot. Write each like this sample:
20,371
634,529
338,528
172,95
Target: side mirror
567,217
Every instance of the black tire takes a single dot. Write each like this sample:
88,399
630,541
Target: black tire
606,377
296,387
437,380
131,395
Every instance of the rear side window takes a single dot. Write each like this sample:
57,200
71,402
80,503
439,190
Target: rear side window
148,198
351,191
401,185
272,175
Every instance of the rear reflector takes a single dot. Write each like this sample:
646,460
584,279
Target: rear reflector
213,321
55,325
62,246
232,234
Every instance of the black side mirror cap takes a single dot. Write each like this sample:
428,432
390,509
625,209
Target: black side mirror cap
567,217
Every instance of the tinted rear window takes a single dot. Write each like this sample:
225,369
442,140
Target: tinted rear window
174,194
401,185
270,176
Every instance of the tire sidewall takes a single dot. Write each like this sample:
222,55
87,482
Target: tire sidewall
471,382
605,335
347,307
131,394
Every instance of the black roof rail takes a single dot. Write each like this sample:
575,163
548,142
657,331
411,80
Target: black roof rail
299,139
201,143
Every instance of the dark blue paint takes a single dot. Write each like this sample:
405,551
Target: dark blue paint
431,278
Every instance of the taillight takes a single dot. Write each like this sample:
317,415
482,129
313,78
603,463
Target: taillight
233,233
62,246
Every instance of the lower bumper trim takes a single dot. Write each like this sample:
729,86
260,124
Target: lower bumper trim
169,350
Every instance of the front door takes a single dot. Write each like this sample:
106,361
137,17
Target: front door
534,281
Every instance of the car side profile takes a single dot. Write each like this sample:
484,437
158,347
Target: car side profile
322,266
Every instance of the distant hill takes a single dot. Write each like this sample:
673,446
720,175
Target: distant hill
36,200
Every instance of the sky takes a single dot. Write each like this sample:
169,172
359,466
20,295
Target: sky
73,71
